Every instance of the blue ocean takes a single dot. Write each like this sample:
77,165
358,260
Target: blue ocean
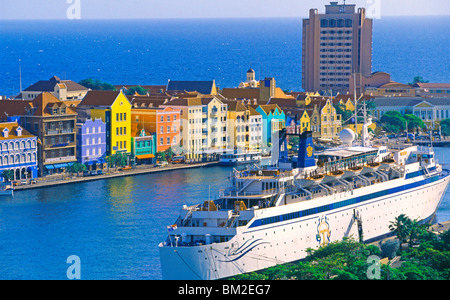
153,51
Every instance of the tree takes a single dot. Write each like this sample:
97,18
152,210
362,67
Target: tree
342,110
97,85
417,79
414,123
8,175
393,121
137,89
77,167
401,227
445,127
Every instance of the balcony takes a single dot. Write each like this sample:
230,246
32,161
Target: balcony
60,145
60,159
58,131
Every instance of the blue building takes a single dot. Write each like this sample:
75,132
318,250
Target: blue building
273,120
91,142
18,151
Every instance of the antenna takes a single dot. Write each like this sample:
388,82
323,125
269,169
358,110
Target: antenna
20,77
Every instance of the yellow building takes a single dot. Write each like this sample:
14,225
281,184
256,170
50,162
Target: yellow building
325,122
114,109
237,123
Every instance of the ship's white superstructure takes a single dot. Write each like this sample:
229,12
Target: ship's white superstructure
271,215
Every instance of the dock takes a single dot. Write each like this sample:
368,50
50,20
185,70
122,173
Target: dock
140,170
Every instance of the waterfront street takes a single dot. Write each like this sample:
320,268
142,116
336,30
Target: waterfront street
66,178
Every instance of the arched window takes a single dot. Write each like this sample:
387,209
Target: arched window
348,23
340,23
332,23
324,23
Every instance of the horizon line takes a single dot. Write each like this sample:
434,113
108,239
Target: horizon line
200,18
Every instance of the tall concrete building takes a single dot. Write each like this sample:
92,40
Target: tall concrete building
334,46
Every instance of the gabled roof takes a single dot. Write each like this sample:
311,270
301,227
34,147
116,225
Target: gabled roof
42,105
237,93
101,98
12,131
204,87
235,105
9,108
430,85
270,108
185,102
283,102
49,85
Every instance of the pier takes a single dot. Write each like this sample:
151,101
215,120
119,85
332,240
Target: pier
139,170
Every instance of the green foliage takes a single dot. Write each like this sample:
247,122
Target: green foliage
395,122
97,85
348,259
77,167
137,89
346,115
117,160
417,79
445,127
8,175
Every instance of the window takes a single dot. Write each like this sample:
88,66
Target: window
117,117
168,140
168,128
161,129
125,144
168,118
121,143
174,140
121,117
162,118
124,116
161,141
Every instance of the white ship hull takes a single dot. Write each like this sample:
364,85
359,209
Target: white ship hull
281,234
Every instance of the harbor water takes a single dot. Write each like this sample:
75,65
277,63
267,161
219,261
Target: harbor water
113,225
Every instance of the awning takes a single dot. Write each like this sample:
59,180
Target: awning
49,167
57,166
145,156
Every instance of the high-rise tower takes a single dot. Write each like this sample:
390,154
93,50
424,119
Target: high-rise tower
334,46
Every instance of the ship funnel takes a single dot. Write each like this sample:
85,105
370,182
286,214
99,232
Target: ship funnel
306,151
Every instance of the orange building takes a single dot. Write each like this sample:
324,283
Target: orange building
165,122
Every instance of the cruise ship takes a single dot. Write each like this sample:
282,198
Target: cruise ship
270,215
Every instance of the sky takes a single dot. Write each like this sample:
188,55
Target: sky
138,9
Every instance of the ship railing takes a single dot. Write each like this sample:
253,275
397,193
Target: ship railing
234,193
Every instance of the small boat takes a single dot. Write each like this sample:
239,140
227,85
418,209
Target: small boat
6,191
240,158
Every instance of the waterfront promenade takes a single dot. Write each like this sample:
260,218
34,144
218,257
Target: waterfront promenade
66,178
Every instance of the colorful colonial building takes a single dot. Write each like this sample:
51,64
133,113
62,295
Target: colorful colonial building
91,142
53,122
18,151
113,108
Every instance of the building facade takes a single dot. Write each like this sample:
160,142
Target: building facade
18,152
273,120
91,142
143,147
53,122
335,45
164,122
113,108
254,130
